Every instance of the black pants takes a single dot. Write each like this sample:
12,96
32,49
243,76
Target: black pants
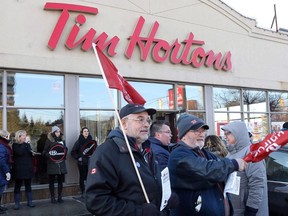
60,180
18,184
83,171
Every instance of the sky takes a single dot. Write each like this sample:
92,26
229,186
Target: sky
262,11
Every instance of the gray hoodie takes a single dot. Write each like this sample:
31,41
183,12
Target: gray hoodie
253,186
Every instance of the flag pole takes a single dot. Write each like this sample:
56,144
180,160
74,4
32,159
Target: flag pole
121,125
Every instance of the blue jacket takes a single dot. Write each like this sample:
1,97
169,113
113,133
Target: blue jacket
197,178
160,151
4,164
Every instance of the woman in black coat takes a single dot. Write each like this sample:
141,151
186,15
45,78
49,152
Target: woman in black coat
55,151
79,153
22,168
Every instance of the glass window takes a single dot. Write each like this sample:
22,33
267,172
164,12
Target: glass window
93,93
157,96
226,99
34,121
100,123
194,97
35,90
37,123
254,101
257,124
278,101
222,119
277,121
277,165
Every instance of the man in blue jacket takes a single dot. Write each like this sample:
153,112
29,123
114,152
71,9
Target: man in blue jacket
197,175
160,138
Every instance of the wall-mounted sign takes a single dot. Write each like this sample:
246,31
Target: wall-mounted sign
187,52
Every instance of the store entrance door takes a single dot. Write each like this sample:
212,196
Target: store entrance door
171,118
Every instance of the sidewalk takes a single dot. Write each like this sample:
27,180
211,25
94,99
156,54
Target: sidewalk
72,206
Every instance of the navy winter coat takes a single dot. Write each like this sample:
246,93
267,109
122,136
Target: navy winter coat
198,180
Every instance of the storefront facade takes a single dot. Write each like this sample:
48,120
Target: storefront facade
196,56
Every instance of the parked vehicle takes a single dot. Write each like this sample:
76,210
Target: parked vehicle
277,175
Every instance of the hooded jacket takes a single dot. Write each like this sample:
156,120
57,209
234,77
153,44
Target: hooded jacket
54,168
253,184
112,186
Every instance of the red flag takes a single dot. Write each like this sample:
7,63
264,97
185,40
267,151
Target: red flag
116,81
271,143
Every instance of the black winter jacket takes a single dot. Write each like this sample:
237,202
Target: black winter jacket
198,177
112,186
77,150
23,161
52,167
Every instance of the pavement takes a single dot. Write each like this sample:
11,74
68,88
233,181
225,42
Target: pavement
72,206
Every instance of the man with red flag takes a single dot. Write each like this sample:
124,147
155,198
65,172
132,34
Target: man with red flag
253,196
116,81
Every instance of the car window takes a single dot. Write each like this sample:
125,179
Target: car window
277,165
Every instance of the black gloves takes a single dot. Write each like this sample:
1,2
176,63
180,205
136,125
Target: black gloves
150,209
173,201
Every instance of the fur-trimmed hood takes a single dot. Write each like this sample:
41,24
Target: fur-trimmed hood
53,139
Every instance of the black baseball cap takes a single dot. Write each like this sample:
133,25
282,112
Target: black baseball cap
135,108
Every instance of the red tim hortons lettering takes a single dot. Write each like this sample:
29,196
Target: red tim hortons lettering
161,49
85,40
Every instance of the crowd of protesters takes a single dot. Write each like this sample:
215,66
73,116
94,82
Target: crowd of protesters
135,172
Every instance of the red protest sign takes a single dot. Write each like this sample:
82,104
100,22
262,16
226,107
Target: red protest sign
271,143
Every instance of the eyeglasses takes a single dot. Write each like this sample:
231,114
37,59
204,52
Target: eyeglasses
168,132
227,133
141,120
199,131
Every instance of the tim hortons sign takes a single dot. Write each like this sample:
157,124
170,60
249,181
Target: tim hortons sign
187,52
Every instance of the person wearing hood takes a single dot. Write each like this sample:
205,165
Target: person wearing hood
253,197
113,187
79,154
197,175
55,151
5,163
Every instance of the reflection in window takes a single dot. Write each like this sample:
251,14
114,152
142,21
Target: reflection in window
93,93
257,124
222,119
277,165
254,101
20,86
278,101
277,121
156,95
34,121
100,123
226,99
37,123
195,97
